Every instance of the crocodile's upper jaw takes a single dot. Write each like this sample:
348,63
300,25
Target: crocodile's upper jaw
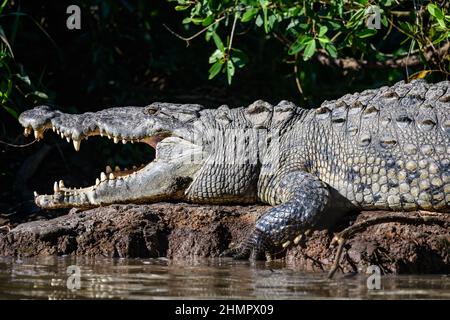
168,175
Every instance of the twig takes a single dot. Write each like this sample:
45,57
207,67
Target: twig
18,145
232,34
344,235
297,80
187,39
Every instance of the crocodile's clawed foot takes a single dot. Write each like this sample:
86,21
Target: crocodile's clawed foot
256,247
301,237
239,252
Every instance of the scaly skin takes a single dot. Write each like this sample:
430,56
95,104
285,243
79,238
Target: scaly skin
387,148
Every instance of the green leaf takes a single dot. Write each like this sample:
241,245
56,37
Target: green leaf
309,50
435,11
216,56
304,26
442,24
208,20
271,22
384,21
215,69
197,20
3,5
259,21
299,44
331,49
24,78
334,25
230,71
239,58
249,14
38,94
263,4
356,19
218,42
322,31
182,8
366,33
11,111
324,40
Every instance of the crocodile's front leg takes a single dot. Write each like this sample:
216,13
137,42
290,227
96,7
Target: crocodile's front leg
304,200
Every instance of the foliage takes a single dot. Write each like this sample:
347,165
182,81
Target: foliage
334,28
15,85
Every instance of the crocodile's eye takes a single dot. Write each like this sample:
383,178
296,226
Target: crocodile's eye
151,110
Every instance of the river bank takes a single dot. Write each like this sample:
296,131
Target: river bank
180,231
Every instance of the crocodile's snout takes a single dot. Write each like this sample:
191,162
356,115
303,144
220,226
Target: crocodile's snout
37,120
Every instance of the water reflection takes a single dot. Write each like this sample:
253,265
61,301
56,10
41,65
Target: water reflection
104,278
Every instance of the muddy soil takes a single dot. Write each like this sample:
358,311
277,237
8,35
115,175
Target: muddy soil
190,231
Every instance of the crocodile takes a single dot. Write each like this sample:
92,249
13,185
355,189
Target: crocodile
386,148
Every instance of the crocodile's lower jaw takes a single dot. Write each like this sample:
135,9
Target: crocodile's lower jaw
120,186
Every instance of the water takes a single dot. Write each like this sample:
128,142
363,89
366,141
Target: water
104,278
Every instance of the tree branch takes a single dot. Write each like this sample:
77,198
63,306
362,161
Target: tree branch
344,235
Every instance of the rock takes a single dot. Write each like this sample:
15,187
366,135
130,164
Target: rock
189,231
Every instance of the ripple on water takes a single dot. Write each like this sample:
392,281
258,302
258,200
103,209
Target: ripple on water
105,278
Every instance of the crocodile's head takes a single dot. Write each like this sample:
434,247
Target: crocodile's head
168,128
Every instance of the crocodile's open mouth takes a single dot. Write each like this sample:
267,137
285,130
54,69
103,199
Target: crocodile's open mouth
105,177
157,180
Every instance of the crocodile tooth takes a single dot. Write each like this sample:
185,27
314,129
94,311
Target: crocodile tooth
117,168
62,135
132,141
108,169
101,133
116,140
111,176
35,194
97,182
61,184
134,167
57,131
56,187
102,176
77,144
38,134
68,139
54,128
124,141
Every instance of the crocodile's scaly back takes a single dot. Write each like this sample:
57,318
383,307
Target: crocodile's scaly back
387,148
